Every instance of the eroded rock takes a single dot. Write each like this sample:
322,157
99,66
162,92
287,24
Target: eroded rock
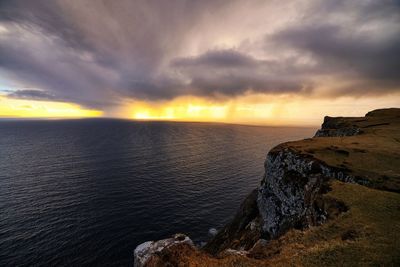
338,126
292,185
145,251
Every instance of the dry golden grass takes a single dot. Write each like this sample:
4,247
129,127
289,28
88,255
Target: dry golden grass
373,155
368,234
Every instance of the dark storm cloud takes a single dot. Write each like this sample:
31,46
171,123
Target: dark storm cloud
229,72
218,58
64,73
353,41
359,44
42,13
357,56
99,52
96,53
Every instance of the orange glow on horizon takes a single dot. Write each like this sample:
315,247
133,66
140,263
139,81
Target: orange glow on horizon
256,109
198,110
21,108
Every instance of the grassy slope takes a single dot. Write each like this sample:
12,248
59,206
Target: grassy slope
374,154
368,234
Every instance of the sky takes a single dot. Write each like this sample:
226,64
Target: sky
257,62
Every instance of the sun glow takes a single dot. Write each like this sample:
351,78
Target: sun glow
254,109
180,109
257,109
43,109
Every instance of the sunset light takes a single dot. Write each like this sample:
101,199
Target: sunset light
251,109
163,133
21,108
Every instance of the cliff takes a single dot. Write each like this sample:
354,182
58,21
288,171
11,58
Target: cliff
328,200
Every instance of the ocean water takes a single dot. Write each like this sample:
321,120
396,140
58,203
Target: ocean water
86,192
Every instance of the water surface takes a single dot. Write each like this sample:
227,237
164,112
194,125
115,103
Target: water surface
86,192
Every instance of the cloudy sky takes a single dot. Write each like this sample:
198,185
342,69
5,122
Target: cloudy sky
269,62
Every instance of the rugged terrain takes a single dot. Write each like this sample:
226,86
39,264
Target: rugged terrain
330,200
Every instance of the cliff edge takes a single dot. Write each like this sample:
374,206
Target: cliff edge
328,200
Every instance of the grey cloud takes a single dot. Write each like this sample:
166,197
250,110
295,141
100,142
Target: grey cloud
97,53
62,72
126,44
218,58
230,72
31,94
365,53
378,59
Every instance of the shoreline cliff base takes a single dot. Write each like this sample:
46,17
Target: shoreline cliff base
330,200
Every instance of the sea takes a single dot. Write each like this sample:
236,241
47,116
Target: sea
86,192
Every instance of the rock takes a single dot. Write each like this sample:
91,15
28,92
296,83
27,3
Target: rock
145,251
291,186
242,232
212,232
261,249
338,126
337,132
229,251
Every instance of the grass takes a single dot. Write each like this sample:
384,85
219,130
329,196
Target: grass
368,234
373,155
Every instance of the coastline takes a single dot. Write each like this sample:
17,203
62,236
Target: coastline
321,198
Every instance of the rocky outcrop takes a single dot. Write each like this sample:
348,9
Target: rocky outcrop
242,232
290,196
292,186
337,127
151,250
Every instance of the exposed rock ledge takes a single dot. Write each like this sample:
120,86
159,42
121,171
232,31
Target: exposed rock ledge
298,192
152,249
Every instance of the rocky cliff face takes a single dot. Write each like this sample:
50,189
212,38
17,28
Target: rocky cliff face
151,251
290,191
337,127
295,192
